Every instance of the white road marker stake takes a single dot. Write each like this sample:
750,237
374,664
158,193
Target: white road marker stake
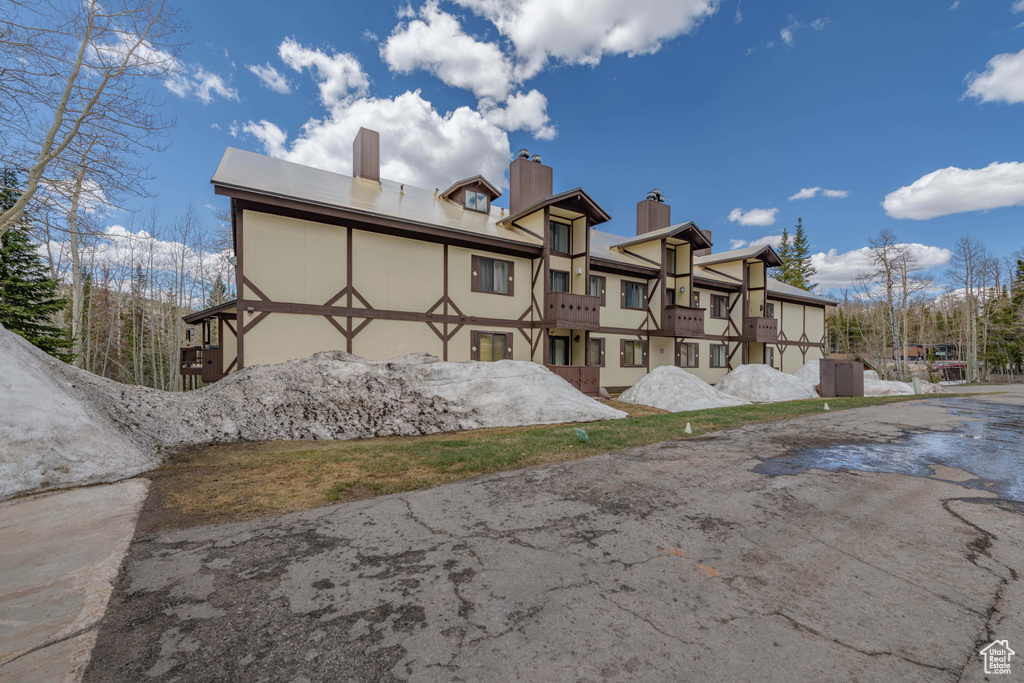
688,430
826,407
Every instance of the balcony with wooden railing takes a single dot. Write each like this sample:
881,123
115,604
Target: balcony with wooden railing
204,362
572,311
760,329
682,321
585,378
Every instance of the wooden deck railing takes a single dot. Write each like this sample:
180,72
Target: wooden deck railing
572,311
191,360
761,329
682,321
585,378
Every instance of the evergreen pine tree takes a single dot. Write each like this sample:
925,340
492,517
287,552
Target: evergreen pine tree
800,269
218,294
28,295
785,252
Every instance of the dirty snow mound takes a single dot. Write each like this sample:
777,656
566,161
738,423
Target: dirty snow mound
62,426
762,384
337,395
51,431
810,372
881,387
676,390
508,393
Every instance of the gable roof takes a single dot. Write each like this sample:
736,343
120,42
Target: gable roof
575,200
791,292
765,253
687,230
263,175
474,180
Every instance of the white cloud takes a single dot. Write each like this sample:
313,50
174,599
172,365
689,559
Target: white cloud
188,80
956,190
339,75
811,192
435,42
271,78
767,240
805,193
840,270
206,84
181,78
215,126
584,31
1018,6
370,36
419,146
789,31
1001,81
521,111
758,217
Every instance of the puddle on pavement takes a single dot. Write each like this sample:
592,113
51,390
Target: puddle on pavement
991,447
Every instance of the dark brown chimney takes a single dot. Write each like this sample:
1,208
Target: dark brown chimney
703,252
652,213
366,154
529,180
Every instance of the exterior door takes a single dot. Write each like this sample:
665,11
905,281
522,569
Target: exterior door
559,350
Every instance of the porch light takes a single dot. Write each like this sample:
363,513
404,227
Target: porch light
250,310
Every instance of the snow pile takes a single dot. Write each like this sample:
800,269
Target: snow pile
51,431
337,395
809,372
676,390
762,384
881,387
62,426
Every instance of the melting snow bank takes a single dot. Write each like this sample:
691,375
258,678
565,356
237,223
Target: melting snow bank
52,432
676,390
63,426
762,384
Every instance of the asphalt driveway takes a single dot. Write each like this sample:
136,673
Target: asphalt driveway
668,562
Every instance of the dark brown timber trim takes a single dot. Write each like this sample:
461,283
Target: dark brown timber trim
309,211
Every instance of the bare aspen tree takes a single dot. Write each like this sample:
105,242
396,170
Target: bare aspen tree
76,72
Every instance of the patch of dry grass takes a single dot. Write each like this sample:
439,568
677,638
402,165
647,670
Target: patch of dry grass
246,480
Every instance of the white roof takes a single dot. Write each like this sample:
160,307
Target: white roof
267,175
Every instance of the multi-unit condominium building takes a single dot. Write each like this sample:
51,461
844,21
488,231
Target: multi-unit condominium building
377,268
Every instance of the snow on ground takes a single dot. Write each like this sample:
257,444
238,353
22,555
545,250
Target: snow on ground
51,432
762,384
676,390
63,426
809,372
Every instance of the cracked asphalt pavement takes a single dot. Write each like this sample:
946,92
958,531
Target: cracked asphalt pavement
666,562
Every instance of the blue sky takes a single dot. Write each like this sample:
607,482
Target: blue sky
724,106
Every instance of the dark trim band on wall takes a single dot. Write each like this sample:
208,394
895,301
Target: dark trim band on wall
318,213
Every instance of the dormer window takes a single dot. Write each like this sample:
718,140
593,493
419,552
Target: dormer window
560,233
477,201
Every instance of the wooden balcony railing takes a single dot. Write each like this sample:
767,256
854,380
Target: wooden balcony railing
205,362
585,378
682,321
192,360
761,329
572,311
